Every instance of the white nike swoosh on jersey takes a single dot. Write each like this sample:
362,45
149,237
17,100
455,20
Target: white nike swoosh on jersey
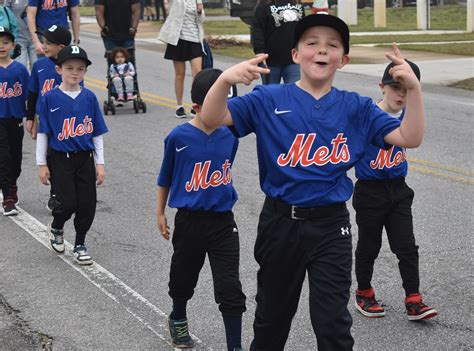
280,112
54,109
40,70
181,148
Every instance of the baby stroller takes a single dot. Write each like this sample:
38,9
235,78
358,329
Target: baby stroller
112,97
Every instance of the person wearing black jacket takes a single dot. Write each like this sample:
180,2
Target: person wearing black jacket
272,33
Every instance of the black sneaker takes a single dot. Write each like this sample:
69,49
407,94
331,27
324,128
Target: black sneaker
81,255
9,208
56,239
53,202
180,113
192,113
180,337
417,310
366,304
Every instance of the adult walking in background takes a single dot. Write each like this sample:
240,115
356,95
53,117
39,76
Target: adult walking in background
184,34
42,14
118,21
160,4
28,52
272,33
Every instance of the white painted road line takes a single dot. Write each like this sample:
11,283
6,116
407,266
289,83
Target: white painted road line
134,303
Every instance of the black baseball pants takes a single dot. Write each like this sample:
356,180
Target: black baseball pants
74,179
286,249
196,234
11,152
380,204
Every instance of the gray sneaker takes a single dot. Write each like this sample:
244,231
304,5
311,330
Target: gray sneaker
56,239
180,337
81,255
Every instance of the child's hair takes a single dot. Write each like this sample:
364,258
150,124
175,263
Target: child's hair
123,51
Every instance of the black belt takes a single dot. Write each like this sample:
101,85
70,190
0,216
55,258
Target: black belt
382,181
302,213
201,213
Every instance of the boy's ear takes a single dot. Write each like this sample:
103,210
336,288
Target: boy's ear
196,107
344,61
294,55
58,69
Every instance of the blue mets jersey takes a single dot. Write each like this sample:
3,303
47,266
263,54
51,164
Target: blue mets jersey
71,123
382,164
197,168
13,90
43,78
305,145
52,12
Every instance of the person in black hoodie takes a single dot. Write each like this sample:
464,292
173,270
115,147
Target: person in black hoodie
272,33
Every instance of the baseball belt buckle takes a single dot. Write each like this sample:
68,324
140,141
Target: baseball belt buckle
293,213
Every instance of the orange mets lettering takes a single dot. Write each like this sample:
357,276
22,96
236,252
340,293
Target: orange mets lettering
384,159
200,178
6,93
53,4
300,149
47,86
69,131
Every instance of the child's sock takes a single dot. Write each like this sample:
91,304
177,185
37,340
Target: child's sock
233,330
179,309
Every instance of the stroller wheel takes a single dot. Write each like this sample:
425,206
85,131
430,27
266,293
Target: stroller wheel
106,108
143,107
112,108
136,106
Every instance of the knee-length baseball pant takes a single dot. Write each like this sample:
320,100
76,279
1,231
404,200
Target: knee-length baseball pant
196,234
287,249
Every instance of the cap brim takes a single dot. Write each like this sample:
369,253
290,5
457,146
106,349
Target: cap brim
87,61
323,20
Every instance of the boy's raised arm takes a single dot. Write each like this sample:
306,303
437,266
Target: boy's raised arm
411,131
214,111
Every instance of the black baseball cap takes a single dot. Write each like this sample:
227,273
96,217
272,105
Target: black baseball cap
324,20
57,35
203,81
6,31
388,79
72,52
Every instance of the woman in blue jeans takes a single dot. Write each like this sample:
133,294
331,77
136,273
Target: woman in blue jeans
272,34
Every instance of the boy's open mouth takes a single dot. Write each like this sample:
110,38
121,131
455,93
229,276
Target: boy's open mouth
321,63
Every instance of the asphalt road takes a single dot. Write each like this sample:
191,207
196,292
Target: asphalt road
121,302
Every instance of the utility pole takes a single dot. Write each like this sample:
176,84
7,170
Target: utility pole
347,11
423,14
380,14
470,15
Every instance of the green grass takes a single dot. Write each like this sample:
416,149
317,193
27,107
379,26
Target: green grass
453,49
87,10
376,39
90,11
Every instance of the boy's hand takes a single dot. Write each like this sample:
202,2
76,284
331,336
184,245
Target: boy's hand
29,125
44,174
163,226
402,71
247,71
100,174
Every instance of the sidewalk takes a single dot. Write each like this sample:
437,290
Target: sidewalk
441,69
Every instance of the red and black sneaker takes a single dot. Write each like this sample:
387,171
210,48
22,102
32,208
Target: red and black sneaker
366,304
417,310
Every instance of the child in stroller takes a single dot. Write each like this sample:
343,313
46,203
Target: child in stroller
122,80
122,72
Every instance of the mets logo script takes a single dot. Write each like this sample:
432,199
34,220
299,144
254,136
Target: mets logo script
47,86
69,131
300,149
385,160
6,93
53,4
201,178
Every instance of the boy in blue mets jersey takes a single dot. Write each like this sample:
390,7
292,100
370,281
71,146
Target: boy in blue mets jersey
72,125
381,199
308,135
13,83
43,79
196,174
